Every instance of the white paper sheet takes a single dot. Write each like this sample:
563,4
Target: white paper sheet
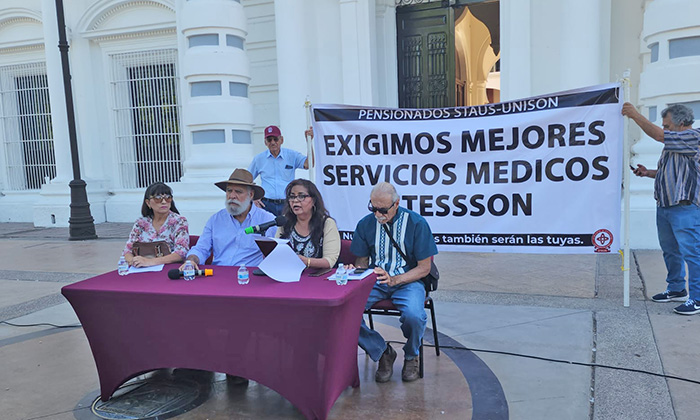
283,265
153,268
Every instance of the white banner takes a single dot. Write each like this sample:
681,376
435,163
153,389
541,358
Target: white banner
537,175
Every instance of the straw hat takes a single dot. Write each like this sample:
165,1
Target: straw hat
243,177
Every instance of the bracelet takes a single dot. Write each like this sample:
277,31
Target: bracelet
308,262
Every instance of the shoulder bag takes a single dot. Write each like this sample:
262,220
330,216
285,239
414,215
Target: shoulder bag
150,249
431,280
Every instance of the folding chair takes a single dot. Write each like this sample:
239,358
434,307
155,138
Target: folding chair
386,307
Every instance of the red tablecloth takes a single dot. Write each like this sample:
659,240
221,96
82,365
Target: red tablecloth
299,339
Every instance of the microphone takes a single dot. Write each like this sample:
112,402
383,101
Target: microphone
175,274
279,221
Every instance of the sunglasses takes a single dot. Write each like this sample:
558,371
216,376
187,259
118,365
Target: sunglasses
272,139
299,197
382,210
161,197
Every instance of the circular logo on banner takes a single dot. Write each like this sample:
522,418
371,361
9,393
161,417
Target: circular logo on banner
602,239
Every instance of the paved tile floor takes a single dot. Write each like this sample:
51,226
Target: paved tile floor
567,308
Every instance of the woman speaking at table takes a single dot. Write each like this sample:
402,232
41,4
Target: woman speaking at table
311,231
161,236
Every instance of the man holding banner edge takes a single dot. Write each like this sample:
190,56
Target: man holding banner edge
676,189
398,280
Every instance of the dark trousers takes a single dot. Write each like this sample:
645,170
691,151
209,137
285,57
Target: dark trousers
273,206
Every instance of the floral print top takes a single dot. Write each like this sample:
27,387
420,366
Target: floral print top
175,232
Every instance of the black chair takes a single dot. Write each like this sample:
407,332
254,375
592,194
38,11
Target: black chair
346,256
386,307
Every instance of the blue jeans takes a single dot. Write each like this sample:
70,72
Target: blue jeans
274,208
410,300
679,237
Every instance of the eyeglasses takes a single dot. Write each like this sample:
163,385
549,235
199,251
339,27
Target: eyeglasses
382,210
271,139
161,197
298,197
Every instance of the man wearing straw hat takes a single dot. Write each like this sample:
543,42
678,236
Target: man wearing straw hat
224,233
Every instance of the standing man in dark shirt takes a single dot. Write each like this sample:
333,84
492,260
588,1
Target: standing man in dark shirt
676,188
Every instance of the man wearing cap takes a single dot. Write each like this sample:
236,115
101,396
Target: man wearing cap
224,234
277,167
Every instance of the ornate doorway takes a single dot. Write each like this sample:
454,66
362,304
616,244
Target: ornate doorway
448,53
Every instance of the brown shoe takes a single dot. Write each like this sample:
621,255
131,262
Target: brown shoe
236,380
386,365
410,370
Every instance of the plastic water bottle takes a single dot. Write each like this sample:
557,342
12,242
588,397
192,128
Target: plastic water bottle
243,276
341,275
188,271
122,266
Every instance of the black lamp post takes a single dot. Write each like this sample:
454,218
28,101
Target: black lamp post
81,224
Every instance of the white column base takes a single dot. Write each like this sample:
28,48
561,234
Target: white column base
196,201
15,206
214,163
196,196
52,206
643,229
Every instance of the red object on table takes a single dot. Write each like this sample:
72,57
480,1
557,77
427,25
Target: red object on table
299,339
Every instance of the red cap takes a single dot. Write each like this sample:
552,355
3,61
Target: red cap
272,130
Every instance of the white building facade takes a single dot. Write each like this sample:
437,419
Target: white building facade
180,90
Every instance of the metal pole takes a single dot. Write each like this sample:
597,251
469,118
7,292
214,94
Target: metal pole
81,224
626,190
310,143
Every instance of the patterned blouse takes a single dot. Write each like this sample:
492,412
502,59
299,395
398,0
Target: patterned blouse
175,232
328,248
303,245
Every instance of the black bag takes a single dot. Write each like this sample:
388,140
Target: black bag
430,282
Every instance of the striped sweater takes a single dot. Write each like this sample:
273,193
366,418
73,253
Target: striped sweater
678,174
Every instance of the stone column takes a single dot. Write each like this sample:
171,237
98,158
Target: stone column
358,50
59,121
387,66
516,77
53,205
584,37
217,115
662,82
294,41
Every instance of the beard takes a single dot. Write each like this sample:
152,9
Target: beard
236,208
381,219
